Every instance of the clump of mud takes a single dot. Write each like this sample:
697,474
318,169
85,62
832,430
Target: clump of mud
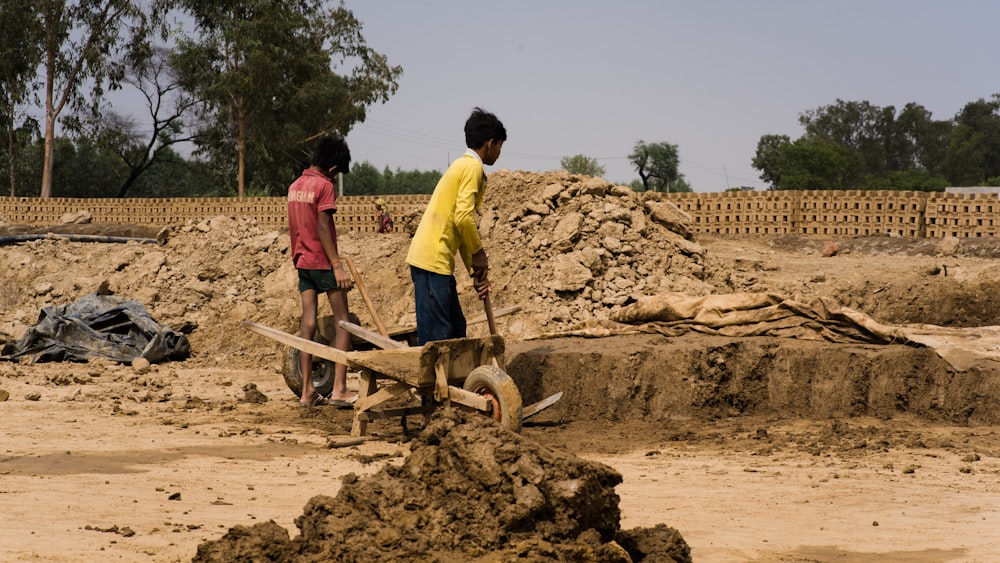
469,491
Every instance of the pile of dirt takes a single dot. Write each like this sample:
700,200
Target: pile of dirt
566,248
202,280
469,491
577,248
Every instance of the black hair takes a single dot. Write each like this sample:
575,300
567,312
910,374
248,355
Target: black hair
330,151
481,127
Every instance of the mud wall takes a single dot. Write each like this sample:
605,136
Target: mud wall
810,213
657,379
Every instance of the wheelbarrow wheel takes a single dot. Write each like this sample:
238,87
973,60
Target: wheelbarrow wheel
494,384
322,371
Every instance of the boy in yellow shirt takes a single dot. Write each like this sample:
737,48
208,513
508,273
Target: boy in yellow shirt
449,226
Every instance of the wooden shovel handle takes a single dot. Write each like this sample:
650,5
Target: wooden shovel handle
489,314
364,295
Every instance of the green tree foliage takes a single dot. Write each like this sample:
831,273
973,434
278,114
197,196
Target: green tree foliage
19,59
856,145
914,180
173,176
364,179
657,165
811,164
85,169
768,158
860,127
76,40
265,70
974,151
921,141
22,162
409,181
582,164
807,164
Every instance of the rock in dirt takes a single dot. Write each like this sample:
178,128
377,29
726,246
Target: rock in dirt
470,490
253,395
830,249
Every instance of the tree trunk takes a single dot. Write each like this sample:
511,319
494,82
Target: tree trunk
50,116
241,170
47,166
10,151
133,175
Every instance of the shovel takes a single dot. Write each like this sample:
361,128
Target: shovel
489,315
534,408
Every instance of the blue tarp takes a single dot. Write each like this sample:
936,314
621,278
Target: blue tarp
98,327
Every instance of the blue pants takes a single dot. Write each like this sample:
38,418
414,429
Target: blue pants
439,313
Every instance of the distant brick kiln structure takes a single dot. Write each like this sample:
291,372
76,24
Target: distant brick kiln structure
808,213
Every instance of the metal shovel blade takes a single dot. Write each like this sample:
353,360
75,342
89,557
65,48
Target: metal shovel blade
535,408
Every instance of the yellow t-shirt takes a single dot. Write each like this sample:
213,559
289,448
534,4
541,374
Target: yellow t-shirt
449,222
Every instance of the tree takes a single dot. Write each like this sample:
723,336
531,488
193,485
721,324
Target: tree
768,158
410,181
364,179
175,176
656,164
167,106
963,161
973,154
19,60
581,164
265,70
859,126
79,39
915,180
922,142
85,169
812,164
857,145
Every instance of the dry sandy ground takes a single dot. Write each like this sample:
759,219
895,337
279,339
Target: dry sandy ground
86,476
101,462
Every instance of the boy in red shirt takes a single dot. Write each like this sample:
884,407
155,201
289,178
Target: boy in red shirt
311,204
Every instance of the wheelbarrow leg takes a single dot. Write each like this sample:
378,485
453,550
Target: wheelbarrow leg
368,387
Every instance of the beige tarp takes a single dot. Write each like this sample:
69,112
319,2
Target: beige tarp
765,314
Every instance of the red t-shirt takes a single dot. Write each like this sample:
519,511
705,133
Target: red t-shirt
309,196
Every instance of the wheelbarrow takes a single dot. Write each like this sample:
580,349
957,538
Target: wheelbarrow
463,371
321,370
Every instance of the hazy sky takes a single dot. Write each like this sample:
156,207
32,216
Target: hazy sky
593,77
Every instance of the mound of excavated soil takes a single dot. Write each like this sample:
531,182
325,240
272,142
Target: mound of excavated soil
470,490
566,248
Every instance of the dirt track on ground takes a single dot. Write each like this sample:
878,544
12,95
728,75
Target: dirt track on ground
797,451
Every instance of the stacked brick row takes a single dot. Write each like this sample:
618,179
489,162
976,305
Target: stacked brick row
962,215
740,213
857,213
809,213
354,213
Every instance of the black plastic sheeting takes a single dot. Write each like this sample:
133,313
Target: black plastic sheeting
98,327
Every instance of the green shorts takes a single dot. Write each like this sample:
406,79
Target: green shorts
319,280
